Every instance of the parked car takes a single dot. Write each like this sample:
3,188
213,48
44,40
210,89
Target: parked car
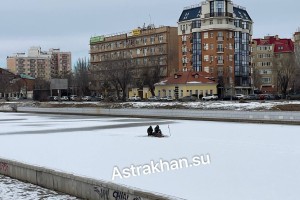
240,96
166,98
252,97
210,97
228,98
86,98
73,97
99,98
267,97
295,96
188,98
154,98
65,98
135,98
55,98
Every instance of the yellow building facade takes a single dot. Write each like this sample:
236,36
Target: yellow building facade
186,84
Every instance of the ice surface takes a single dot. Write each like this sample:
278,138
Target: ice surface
248,161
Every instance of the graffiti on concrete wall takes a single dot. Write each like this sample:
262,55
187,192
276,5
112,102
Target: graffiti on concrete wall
107,194
102,192
3,167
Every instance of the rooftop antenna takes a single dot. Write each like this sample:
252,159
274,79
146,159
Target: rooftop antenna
150,19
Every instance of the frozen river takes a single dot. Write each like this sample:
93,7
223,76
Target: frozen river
242,161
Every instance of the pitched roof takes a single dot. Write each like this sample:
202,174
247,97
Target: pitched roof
188,78
26,76
241,13
195,12
280,45
190,14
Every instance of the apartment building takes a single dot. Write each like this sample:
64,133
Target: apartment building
215,37
263,52
146,48
297,52
61,63
40,64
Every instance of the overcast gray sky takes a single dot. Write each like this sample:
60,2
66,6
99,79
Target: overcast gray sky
69,24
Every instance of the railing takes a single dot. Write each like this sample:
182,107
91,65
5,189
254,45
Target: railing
192,6
220,62
218,14
220,38
220,50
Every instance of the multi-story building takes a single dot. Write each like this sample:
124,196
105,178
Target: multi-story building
297,53
215,37
145,48
263,52
61,63
40,64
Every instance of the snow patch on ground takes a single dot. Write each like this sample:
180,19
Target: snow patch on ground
11,189
204,105
214,105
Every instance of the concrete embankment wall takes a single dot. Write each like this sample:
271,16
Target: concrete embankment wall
272,117
81,187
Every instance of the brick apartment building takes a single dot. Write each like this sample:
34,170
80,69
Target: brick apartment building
263,52
40,64
147,47
215,37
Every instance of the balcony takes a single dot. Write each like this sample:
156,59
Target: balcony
220,38
220,62
218,14
220,50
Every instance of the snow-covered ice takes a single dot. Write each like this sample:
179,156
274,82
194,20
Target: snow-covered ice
248,161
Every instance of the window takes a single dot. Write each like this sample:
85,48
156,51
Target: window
211,46
161,38
206,69
152,39
211,35
145,40
205,46
211,22
152,50
205,35
138,51
266,80
206,58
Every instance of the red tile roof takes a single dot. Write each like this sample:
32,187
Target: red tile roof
188,78
280,45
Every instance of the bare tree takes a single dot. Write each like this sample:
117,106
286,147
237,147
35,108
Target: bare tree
81,76
6,81
150,76
285,67
256,78
297,63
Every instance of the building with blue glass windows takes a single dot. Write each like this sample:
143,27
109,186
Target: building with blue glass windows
215,37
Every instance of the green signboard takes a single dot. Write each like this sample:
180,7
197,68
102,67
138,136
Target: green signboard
97,39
